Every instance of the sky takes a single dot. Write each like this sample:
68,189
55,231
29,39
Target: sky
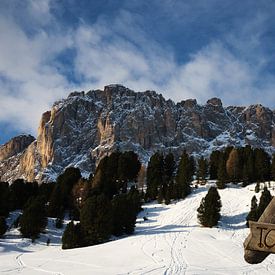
180,48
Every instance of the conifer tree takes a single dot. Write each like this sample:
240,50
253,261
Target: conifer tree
273,167
214,165
123,215
61,198
233,166
209,209
202,170
184,176
265,199
262,165
33,219
4,199
3,226
252,215
72,236
222,175
155,175
96,219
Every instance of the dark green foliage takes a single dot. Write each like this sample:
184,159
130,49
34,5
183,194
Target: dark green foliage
96,220
59,223
3,226
114,172
202,170
61,197
265,199
253,214
209,209
123,215
72,236
169,166
155,175
214,164
184,176
4,199
45,189
222,175
33,219
128,168
273,167
262,165
21,192
257,187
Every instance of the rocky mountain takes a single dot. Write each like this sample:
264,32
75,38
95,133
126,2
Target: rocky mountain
81,129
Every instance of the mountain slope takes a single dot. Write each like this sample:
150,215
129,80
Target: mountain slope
170,242
79,130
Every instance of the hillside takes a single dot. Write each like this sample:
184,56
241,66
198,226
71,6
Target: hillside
79,130
170,242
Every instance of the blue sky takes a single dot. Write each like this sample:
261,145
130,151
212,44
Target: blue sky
182,49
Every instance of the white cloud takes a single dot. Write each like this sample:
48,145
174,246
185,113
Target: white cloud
121,52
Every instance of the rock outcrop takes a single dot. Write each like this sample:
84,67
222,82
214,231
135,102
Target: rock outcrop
81,129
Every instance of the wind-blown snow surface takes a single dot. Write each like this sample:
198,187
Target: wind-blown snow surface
170,242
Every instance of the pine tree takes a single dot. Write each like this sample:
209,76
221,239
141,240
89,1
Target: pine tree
128,168
3,226
72,236
209,209
96,219
4,199
184,176
265,199
222,175
124,215
155,175
61,198
262,165
232,166
33,219
252,215
273,167
202,170
214,164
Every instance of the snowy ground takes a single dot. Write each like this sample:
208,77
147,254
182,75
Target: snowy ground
170,242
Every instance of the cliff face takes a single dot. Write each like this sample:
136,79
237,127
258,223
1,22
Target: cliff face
81,129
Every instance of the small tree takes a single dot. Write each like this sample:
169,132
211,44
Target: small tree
33,219
209,209
252,215
72,236
265,199
3,226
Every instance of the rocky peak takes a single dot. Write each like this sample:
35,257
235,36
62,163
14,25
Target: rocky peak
81,129
214,101
15,146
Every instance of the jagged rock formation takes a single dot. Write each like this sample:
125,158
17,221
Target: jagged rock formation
79,130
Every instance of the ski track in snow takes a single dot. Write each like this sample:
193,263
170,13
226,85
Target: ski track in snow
170,242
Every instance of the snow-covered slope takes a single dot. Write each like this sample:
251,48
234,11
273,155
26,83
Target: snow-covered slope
170,242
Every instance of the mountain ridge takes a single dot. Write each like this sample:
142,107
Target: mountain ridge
81,129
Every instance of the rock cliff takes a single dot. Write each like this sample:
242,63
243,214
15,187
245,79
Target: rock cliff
79,130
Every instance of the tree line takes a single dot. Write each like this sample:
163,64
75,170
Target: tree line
105,204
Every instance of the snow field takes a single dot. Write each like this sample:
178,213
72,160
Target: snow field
169,242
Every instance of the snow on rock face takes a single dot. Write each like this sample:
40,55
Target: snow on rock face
80,130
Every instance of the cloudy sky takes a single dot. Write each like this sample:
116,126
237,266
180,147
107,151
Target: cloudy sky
180,48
